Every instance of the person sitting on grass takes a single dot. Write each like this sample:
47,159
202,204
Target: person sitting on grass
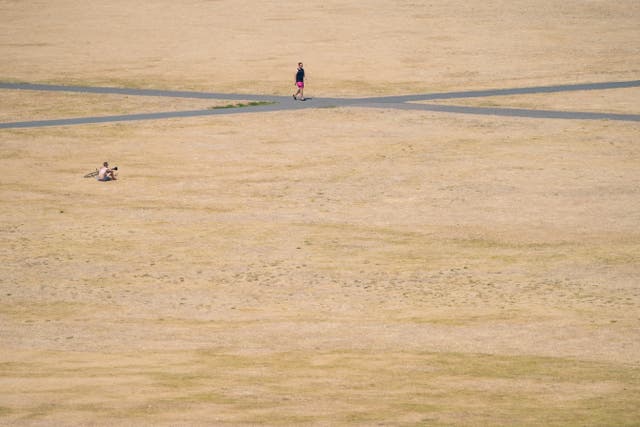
106,174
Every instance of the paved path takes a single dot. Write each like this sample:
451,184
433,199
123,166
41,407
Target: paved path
279,103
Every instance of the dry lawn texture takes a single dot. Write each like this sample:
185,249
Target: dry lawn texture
39,105
394,262
349,48
336,266
620,101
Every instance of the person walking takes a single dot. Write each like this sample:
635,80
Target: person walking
299,83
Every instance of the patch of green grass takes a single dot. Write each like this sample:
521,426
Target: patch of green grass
461,320
242,105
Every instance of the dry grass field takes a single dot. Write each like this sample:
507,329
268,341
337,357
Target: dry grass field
334,266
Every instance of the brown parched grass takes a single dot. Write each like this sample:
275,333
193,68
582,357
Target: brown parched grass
336,266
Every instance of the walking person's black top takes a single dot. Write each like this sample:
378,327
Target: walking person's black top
300,75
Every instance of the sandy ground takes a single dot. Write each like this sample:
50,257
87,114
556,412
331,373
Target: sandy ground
338,266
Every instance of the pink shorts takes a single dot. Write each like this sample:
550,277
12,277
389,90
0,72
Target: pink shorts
300,84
